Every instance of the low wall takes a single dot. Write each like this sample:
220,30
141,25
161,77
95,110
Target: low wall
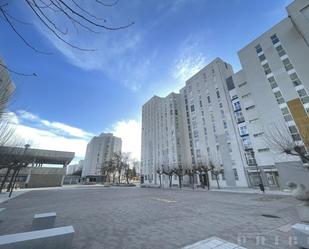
292,172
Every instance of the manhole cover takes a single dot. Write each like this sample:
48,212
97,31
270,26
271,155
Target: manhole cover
271,216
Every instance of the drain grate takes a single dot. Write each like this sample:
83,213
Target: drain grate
271,216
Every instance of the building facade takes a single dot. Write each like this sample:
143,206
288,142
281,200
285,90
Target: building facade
99,150
224,117
163,144
273,86
211,126
72,168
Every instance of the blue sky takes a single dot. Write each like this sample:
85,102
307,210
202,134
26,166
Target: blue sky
79,94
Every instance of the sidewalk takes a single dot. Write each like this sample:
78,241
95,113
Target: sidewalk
252,191
4,196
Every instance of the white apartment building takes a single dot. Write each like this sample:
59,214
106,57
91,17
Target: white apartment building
162,136
226,116
99,150
211,123
273,90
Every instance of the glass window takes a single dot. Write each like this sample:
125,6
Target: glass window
280,101
274,39
218,94
262,57
267,69
293,129
302,93
288,118
258,48
305,100
287,64
208,98
285,110
236,105
192,108
280,50
278,94
296,137
296,81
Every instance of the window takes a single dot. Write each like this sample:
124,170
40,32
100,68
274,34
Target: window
280,101
262,57
224,124
258,134
267,69
243,130
230,83
253,120
201,103
192,108
296,81
258,48
250,107
287,64
263,150
242,84
278,94
293,129
274,39
236,105
246,95
302,93
208,98
285,110
218,94
272,82
288,118
239,116
296,137
246,142
236,174
305,100
280,50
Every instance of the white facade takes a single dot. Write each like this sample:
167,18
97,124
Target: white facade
223,117
99,150
273,88
211,123
162,136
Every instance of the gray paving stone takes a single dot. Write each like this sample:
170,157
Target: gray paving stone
135,218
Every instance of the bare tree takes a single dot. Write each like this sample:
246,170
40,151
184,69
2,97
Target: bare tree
180,172
59,18
281,139
169,172
216,170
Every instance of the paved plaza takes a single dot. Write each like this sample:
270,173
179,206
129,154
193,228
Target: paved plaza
119,217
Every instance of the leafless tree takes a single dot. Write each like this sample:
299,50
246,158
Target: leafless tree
202,170
180,172
215,170
59,18
279,137
169,172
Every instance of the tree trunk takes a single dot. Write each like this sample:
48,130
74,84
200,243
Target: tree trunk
193,181
217,181
170,179
12,188
207,180
11,181
160,180
180,181
4,180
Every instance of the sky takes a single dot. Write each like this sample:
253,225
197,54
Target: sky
77,95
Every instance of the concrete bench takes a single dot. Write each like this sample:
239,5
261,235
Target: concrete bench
43,221
60,238
301,232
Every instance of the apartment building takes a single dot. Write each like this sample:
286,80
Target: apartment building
227,117
99,150
163,144
273,88
211,125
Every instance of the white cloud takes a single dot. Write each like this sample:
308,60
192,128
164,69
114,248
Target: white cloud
130,133
44,134
56,127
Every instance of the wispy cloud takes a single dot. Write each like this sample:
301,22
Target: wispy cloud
44,134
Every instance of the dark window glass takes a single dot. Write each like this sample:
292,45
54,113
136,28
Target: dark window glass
230,83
